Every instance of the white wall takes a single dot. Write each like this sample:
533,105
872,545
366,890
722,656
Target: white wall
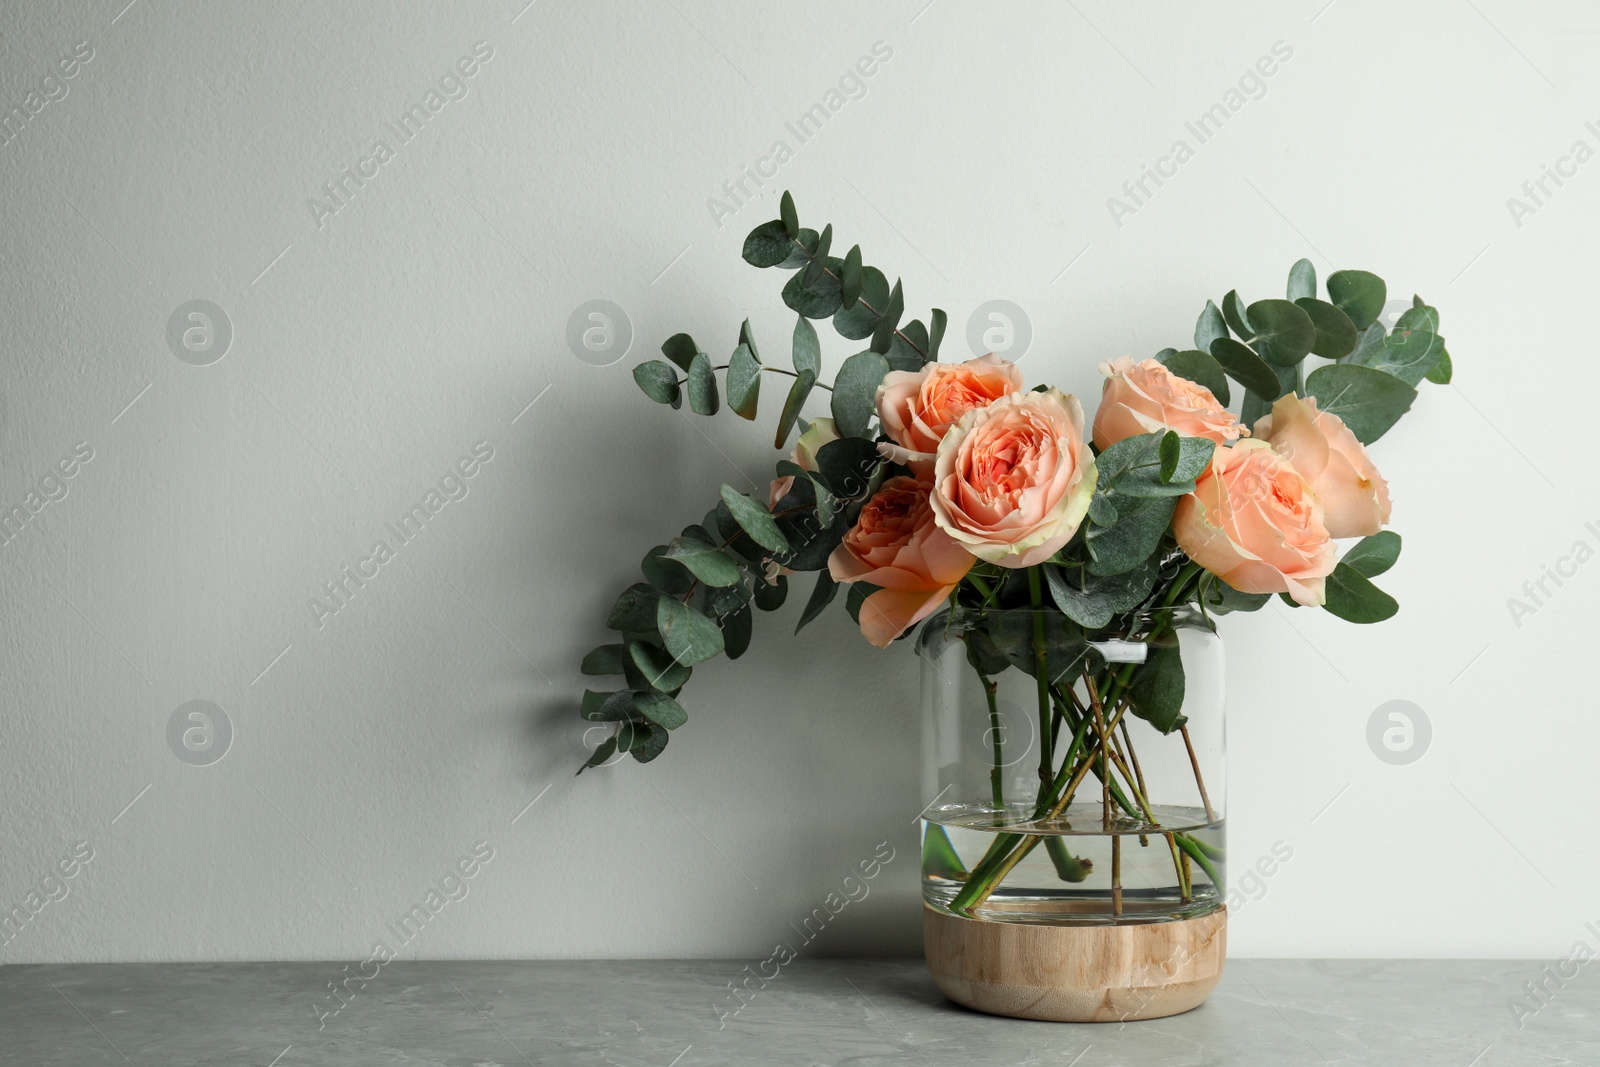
370,753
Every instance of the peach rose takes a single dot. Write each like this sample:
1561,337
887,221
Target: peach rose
917,407
1355,498
1146,397
1012,480
896,546
1254,522
819,433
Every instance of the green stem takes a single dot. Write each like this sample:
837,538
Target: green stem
996,789
1192,847
1042,681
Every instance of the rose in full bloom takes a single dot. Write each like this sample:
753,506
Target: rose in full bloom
1012,480
1146,397
805,452
917,407
1254,522
1355,498
896,545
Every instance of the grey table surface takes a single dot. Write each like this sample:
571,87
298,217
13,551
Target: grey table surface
686,1014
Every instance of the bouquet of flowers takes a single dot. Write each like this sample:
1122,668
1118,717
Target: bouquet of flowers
950,493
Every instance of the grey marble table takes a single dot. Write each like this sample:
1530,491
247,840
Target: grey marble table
685,1014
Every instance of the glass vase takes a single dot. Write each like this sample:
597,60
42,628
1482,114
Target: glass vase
1081,804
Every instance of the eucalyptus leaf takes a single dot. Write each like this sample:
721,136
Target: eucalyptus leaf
883,332
807,352
1302,280
768,245
801,249
858,320
1442,370
1233,312
1368,401
792,404
651,746
665,575
1245,367
1418,317
1369,343
635,609
744,381
1200,368
769,596
607,707
819,258
1224,598
1373,555
1409,355
822,595
681,349
850,277
908,346
657,666
658,381
846,466
1353,598
1336,334
937,321
1013,632
606,659
1131,540
787,216
753,517
689,635
604,751
1156,692
815,295
855,389
1209,327
709,563
703,399
661,710
1359,294
747,338
1284,332
736,630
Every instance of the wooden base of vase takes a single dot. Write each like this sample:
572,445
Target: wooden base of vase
1077,974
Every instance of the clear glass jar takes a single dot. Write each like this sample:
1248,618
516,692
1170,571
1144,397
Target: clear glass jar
1095,797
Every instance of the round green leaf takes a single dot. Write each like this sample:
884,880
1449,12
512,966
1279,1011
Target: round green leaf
754,519
661,710
1368,401
1336,334
1359,294
1284,332
707,562
768,245
1245,367
1200,368
689,636
658,380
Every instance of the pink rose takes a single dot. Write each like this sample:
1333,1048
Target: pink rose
1146,397
819,433
896,546
917,407
1012,480
1355,498
1254,522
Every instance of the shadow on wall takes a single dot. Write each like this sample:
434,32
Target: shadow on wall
579,553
